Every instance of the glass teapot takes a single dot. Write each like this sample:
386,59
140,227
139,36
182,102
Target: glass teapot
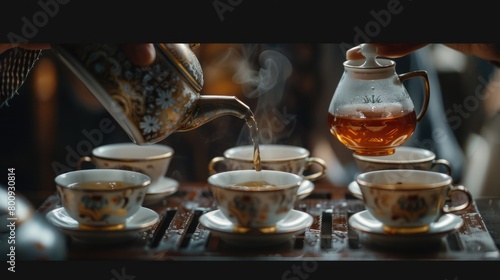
149,102
371,112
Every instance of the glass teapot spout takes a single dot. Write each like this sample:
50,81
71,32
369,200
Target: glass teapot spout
209,107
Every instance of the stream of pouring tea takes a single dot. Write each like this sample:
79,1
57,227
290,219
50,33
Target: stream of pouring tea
254,132
266,84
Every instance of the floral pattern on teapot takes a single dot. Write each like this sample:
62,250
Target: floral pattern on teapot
154,99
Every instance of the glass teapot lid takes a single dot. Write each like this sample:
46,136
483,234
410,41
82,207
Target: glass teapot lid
371,67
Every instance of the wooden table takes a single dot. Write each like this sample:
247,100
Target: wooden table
179,236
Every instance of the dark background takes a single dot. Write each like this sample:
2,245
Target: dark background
74,21
244,21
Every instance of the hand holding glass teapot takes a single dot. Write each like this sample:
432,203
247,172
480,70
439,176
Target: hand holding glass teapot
371,112
490,52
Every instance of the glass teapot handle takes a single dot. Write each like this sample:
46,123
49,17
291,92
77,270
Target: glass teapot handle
423,75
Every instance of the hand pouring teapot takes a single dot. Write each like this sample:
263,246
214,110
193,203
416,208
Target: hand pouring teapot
150,102
371,112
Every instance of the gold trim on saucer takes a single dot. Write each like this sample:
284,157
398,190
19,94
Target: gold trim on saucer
103,228
406,230
263,230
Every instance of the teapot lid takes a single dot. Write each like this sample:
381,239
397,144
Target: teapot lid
371,61
186,61
370,68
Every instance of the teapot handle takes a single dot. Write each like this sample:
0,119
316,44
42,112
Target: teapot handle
423,75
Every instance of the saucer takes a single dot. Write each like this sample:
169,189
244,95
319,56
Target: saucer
144,219
305,189
355,190
294,223
159,190
371,232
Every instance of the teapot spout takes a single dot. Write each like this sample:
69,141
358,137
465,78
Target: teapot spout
209,107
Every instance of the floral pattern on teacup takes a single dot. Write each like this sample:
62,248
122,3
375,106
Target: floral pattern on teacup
99,208
246,208
409,208
251,211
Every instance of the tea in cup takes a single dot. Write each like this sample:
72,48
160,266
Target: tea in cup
152,160
255,200
409,201
403,158
102,198
286,158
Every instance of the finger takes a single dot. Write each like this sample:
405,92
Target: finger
140,54
4,47
397,50
354,53
385,50
35,46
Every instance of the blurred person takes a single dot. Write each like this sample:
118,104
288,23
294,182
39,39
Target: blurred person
483,145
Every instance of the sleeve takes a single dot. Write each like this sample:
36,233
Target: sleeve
15,66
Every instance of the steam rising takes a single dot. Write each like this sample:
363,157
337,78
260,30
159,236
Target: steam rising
267,84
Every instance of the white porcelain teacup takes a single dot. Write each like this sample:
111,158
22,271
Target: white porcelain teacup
152,160
102,198
403,158
287,158
409,201
255,200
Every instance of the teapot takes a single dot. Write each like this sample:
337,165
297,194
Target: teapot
149,102
371,112
26,235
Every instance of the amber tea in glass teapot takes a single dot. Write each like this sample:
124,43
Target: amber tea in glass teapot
371,112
